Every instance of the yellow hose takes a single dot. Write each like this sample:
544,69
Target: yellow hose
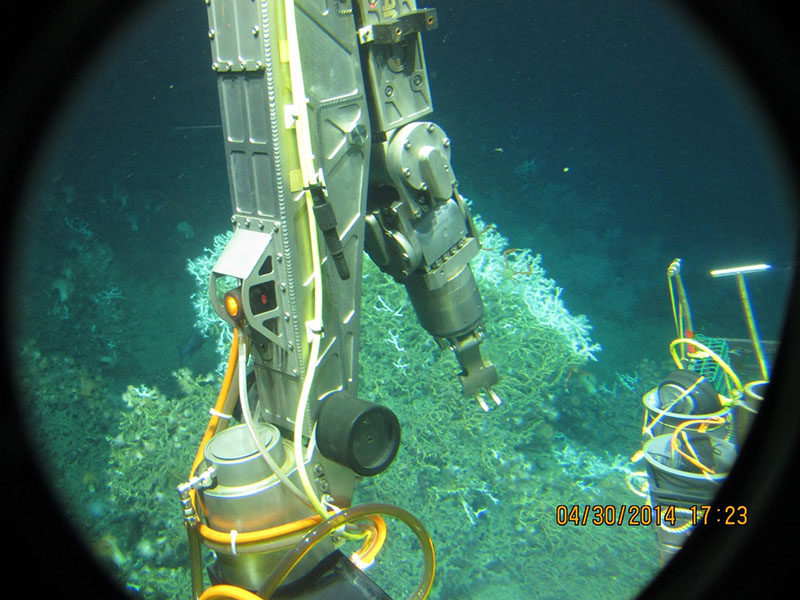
222,400
674,444
374,542
305,156
751,326
356,513
222,406
688,524
228,591
733,378
646,429
375,534
681,313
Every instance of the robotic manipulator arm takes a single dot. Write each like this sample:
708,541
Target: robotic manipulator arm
327,156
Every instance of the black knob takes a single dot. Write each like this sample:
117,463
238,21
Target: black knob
357,434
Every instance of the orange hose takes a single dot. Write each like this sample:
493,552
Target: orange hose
213,423
373,544
693,458
375,540
228,591
222,537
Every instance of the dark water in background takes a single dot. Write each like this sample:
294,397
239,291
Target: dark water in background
665,155
602,135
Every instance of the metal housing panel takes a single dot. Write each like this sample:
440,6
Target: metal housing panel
266,195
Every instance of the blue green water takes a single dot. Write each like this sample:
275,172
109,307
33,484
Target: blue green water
607,138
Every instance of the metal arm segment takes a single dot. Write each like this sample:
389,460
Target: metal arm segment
270,250
419,228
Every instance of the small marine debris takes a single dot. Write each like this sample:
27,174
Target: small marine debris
185,229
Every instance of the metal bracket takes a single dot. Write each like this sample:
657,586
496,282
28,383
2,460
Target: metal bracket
393,32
